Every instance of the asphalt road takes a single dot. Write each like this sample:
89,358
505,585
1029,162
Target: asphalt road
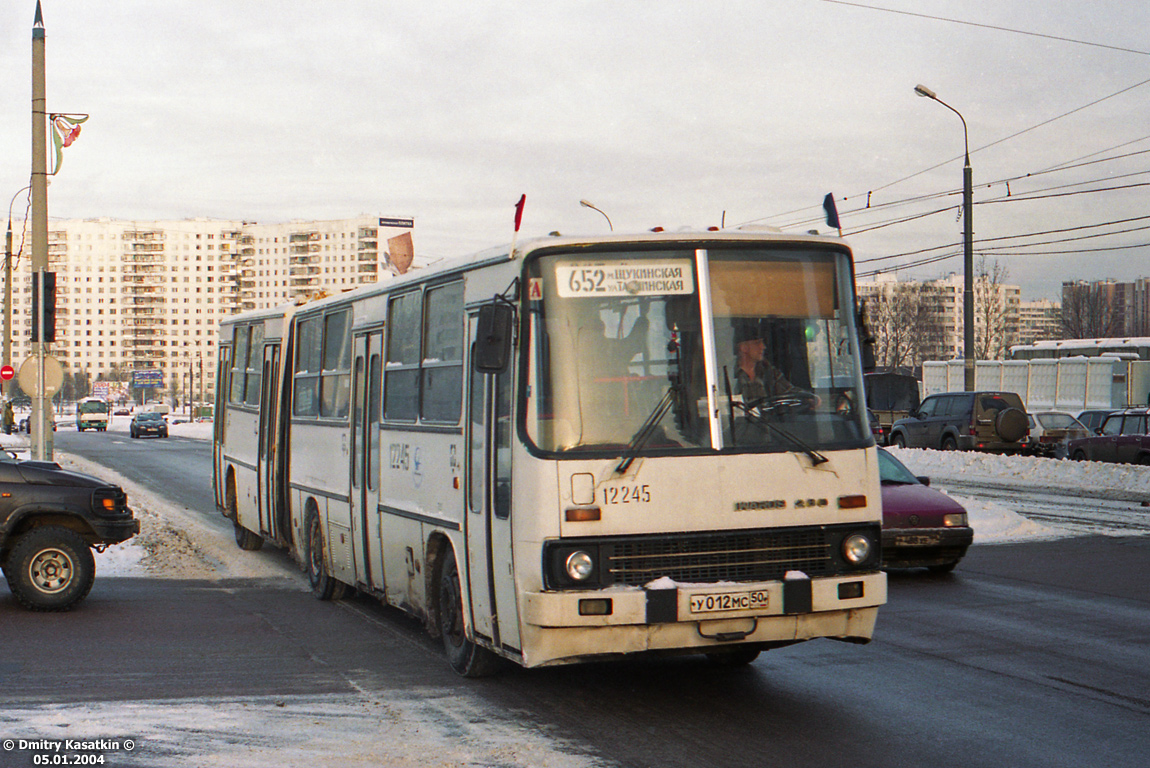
178,468
1027,655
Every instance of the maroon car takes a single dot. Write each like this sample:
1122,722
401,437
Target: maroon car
921,528
1122,438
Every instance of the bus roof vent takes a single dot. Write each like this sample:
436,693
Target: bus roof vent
758,228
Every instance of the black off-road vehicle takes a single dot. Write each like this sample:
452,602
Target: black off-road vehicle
967,421
50,519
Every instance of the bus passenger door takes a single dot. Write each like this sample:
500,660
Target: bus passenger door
219,423
268,502
494,605
367,366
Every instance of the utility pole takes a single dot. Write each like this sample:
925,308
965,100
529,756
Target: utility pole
41,403
200,355
8,296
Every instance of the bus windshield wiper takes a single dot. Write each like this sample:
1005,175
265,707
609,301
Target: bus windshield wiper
759,421
644,434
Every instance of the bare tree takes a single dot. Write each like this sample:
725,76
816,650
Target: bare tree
993,333
906,325
1087,311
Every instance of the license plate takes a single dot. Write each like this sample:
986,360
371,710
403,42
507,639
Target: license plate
729,601
920,540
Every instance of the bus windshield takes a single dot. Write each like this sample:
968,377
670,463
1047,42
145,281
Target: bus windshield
725,348
92,406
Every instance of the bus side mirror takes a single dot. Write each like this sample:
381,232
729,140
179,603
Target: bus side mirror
866,341
866,344
492,348
867,351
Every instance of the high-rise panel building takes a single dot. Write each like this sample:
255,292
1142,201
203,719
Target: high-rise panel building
1106,308
916,321
146,295
1039,320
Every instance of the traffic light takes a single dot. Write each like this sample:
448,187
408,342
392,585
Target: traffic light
44,283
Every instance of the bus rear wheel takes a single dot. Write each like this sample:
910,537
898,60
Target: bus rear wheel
464,656
323,585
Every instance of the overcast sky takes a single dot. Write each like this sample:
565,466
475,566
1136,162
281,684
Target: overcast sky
670,113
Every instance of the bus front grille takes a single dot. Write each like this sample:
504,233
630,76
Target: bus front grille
764,555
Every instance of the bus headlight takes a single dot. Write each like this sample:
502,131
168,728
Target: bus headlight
579,566
856,548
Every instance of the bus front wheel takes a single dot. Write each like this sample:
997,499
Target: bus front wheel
464,656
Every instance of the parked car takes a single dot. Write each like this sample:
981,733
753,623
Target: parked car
890,396
26,425
978,421
1051,431
1122,438
1093,419
876,429
147,423
921,528
50,518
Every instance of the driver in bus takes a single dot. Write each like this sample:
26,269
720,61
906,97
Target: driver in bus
756,378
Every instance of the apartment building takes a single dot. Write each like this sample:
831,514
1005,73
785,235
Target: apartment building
135,295
1039,320
915,321
1106,308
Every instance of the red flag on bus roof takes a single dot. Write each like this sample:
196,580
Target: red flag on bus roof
519,211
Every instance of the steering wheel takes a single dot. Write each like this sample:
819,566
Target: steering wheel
797,400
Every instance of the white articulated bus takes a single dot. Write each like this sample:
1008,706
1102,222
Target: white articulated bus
578,449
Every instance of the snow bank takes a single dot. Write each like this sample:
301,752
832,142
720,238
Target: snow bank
1026,472
173,542
994,522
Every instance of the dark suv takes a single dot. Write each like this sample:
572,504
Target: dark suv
969,421
50,518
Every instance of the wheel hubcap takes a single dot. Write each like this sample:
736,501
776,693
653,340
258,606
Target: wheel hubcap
51,570
315,543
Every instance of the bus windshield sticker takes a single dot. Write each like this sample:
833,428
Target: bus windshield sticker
643,278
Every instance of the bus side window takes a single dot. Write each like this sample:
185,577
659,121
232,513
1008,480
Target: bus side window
305,392
401,371
240,363
441,375
335,378
254,366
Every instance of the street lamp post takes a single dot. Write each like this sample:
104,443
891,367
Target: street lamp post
8,287
586,204
967,247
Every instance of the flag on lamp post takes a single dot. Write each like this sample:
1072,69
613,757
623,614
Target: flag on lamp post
65,130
